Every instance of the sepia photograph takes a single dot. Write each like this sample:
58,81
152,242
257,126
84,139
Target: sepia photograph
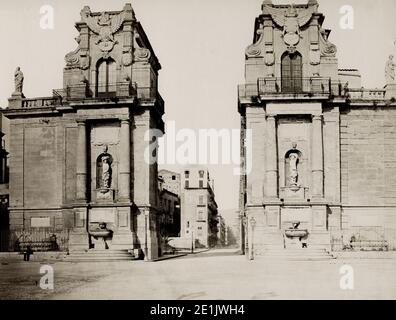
216,151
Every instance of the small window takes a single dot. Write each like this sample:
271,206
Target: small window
187,174
201,174
187,184
173,178
201,184
200,215
201,199
199,228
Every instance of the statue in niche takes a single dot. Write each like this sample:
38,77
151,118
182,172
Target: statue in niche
390,70
18,79
104,169
293,173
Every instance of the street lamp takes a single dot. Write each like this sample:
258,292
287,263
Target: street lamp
251,251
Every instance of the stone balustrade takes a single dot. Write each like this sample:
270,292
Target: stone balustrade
367,94
44,102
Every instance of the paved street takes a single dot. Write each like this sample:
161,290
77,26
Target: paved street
216,274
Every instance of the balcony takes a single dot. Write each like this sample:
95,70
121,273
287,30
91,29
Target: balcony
286,88
108,91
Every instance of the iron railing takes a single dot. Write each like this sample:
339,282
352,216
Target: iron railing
284,85
39,239
116,90
363,239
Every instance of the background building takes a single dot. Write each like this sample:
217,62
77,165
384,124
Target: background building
169,202
4,193
324,149
77,162
198,207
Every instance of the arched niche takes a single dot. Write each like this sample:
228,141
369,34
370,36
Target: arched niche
294,168
104,170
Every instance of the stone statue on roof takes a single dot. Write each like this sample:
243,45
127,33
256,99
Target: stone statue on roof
18,79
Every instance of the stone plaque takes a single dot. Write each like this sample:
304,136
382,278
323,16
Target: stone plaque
42,222
122,219
105,134
102,215
319,218
272,218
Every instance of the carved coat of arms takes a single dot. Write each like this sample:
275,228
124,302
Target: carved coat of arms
104,26
291,21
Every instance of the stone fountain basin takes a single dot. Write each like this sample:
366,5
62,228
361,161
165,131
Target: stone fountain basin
100,233
296,233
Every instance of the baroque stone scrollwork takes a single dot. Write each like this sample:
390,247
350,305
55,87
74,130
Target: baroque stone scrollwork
291,21
72,58
78,59
141,53
254,50
105,26
327,49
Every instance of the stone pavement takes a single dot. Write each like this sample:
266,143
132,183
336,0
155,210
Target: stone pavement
214,274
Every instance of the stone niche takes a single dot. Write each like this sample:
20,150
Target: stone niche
104,161
293,157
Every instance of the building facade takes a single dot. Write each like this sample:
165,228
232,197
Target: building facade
323,148
4,193
198,207
169,202
171,180
77,157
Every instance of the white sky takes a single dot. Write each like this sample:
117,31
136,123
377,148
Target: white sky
200,44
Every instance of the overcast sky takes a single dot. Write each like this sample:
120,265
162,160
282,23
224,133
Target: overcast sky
200,44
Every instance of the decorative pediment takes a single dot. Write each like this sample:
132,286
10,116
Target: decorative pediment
104,26
290,20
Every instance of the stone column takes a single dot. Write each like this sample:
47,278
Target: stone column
82,165
272,158
125,161
317,157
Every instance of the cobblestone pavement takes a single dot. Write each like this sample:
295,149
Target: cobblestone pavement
215,274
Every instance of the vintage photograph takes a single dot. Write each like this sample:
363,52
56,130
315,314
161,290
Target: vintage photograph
198,150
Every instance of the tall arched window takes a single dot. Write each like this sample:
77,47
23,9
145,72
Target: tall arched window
106,78
291,72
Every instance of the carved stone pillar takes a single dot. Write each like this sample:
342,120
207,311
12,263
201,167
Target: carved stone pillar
272,161
317,157
82,165
125,161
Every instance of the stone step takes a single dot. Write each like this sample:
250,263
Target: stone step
100,255
297,254
296,258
